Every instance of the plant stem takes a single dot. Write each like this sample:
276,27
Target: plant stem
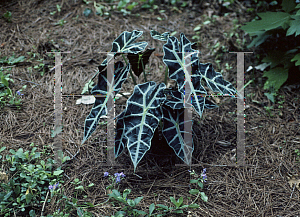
196,198
133,79
144,72
166,76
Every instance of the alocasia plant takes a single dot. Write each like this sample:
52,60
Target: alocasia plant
151,103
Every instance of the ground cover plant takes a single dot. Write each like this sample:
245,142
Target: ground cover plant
278,33
149,105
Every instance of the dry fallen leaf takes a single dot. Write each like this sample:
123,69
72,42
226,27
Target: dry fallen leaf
3,177
293,180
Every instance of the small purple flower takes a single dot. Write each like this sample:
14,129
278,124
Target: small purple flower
19,93
106,174
203,174
189,171
53,186
56,185
122,174
118,179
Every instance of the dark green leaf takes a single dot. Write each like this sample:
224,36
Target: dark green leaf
28,198
269,20
139,61
194,205
158,36
141,118
173,131
276,77
288,5
294,26
296,58
194,191
99,109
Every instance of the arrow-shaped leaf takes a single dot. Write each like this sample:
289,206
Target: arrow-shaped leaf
141,118
158,36
99,109
175,58
120,139
138,61
214,80
124,43
175,101
173,131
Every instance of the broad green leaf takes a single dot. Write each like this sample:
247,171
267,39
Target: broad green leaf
294,26
163,206
162,37
173,201
296,58
131,203
100,109
203,197
276,77
151,208
139,61
137,200
141,118
57,172
262,36
194,205
178,211
140,212
275,58
194,191
173,131
288,5
269,20
2,148
180,201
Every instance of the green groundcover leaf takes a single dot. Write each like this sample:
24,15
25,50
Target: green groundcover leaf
296,58
269,20
276,77
294,26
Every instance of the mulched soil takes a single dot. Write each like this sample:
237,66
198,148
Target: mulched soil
260,188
